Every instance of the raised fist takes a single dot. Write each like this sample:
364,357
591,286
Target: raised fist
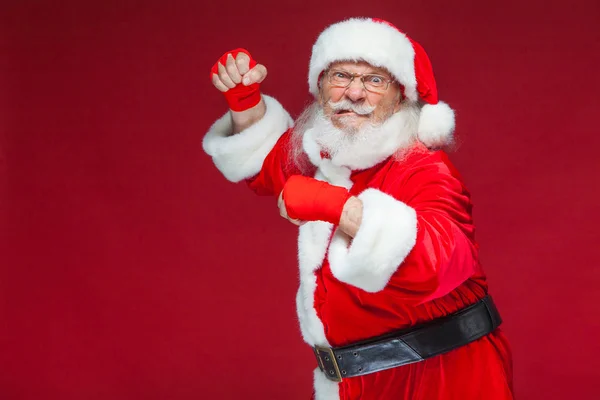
238,76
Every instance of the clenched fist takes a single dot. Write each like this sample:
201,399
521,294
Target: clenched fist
308,199
238,76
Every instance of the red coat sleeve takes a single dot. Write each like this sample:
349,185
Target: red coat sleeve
277,167
416,234
445,253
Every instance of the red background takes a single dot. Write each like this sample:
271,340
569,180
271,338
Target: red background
130,269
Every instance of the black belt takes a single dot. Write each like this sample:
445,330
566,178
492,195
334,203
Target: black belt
410,346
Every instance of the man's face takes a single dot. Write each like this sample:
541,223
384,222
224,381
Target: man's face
356,98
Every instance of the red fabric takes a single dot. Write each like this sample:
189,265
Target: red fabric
241,97
426,85
441,275
308,199
276,169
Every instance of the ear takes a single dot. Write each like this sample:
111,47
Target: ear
321,97
400,98
398,101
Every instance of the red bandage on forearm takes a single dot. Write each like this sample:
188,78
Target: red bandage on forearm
308,199
241,97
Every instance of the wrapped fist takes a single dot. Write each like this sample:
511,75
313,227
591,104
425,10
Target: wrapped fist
238,76
308,199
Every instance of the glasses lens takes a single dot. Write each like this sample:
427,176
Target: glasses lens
375,83
339,78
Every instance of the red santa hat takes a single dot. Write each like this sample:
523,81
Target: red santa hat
381,44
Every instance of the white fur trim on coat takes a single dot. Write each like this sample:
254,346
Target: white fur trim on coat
436,125
362,39
328,171
241,156
324,388
387,234
313,239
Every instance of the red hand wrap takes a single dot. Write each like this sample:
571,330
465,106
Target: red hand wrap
308,199
241,97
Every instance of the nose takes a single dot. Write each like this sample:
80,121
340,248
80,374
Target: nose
356,91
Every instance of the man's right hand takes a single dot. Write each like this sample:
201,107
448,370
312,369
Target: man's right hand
238,76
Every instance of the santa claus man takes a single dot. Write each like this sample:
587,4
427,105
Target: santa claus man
392,297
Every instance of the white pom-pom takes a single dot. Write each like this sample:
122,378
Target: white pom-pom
436,124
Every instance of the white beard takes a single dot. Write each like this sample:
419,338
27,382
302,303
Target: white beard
361,148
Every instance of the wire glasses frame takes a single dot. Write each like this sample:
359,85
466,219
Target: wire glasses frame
371,82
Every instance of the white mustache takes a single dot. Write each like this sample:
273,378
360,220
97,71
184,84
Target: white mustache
345,104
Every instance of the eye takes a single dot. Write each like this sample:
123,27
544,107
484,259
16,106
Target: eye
340,75
375,79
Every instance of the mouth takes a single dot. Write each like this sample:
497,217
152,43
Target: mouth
348,113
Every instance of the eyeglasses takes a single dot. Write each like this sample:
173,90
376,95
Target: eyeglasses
371,82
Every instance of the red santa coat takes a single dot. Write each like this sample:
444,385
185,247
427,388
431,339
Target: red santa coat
413,259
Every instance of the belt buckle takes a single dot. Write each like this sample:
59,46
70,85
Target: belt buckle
328,363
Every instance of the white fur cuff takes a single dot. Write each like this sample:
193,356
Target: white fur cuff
241,156
387,234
